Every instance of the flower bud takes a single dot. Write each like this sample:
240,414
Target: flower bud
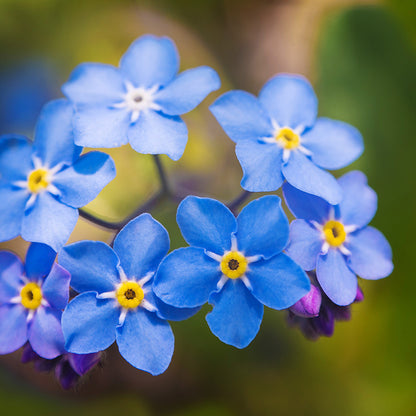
309,305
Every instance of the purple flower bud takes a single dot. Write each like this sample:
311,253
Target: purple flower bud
359,297
28,354
65,374
82,363
309,305
325,322
340,313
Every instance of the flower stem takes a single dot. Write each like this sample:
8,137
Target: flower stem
235,203
146,206
162,175
118,225
98,221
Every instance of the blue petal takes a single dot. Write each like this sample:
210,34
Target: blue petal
236,316
278,282
305,206
141,246
187,90
100,126
261,164
263,228
359,202
150,61
241,116
93,83
80,183
155,133
146,341
39,260
54,139
92,265
15,157
290,100
186,277
333,144
12,208
89,323
49,221
304,175
45,333
206,223
168,312
370,254
13,328
337,281
305,244
11,272
165,311
55,289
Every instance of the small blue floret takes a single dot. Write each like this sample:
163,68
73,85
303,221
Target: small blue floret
278,138
141,101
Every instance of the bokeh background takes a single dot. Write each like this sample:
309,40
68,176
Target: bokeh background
361,57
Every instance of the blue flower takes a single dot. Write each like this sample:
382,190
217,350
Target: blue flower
278,137
43,184
116,300
335,240
139,102
237,265
31,301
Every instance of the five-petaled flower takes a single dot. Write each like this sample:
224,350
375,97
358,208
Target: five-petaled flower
278,137
336,239
43,184
116,300
32,298
235,264
141,101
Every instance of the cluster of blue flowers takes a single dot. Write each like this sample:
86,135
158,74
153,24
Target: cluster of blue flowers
127,292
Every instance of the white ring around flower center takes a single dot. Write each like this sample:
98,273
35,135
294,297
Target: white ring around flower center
138,99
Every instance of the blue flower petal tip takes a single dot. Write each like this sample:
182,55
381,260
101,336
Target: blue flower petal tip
140,101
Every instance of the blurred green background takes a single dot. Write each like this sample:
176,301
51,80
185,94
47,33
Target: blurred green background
361,57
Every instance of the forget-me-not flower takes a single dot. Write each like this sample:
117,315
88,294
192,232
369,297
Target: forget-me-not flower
279,137
141,101
43,183
32,297
335,240
237,265
116,301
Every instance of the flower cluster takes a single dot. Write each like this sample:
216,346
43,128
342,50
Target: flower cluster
126,292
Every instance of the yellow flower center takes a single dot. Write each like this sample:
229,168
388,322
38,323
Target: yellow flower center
335,233
233,264
31,296
38,180
287,138
129,295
